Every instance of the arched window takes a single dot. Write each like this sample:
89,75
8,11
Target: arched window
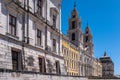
73,36
73,16
86,39
87,32
73,24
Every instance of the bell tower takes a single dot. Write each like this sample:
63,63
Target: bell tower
88,40
74,31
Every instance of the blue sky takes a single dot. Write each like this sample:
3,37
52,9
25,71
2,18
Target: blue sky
103,17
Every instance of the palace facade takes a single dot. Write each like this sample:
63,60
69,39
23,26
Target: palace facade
30,36
71,56
82,43
31,40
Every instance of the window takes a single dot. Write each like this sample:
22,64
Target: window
40,3
54,45
54,21
67,62
73,36
39,37
58,67
72,63
87,32
73,16
86,39
42,65
73,24
16,60
12,25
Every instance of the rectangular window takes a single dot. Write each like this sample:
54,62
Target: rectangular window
39,37
54,20
58,67
42,65
54,45
12,25
40,3
16,60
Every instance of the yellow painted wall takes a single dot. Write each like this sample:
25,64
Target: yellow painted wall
74,58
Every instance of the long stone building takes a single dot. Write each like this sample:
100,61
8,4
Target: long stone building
30,36
31,42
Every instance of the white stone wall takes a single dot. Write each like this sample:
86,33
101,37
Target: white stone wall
19,76
6,59
32,49
5,54
33,23
30,76
0,13
54,4
3,20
